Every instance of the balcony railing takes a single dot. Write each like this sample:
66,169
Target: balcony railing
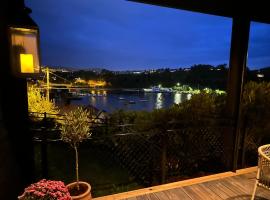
119,158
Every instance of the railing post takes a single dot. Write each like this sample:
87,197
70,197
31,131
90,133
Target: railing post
106,126
44,156
244,134
163,163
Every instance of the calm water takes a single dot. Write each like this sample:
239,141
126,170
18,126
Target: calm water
115,100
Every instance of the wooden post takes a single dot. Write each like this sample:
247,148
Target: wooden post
17,164
243,142
163,158
44,156
238,57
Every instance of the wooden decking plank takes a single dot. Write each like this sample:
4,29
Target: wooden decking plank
161,195
177,194
131,198
219,189
226,185
194,194
142,197
154,196
234,187
244,179
246,185
263,193
209,192
212,193
201,192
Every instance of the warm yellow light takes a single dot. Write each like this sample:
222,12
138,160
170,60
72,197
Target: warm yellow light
27,63
94,83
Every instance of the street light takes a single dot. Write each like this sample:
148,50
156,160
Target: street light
24,50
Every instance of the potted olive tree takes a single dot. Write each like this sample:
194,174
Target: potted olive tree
74,129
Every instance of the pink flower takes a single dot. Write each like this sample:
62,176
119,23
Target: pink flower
47,189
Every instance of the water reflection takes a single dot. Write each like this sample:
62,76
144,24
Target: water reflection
159,101
115,100
93,100
104,97
177,98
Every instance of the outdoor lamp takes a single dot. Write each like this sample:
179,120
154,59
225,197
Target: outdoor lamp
24,50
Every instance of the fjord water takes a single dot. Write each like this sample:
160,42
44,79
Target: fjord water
136,101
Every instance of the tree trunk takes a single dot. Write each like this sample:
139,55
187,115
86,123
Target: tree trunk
77,166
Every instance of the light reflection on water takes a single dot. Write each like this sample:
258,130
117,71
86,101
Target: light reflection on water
177,98
115,100
159,101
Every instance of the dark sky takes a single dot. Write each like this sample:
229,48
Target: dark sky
120,35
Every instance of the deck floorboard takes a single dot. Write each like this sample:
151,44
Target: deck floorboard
230,188
223,186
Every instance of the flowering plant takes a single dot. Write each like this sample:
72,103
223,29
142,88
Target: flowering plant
46,190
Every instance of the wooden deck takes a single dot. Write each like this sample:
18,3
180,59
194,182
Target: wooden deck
228,185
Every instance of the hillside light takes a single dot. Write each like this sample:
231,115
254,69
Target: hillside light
24,51
260,75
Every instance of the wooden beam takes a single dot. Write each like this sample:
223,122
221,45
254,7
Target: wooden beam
213,7
238,57
16,149
255,11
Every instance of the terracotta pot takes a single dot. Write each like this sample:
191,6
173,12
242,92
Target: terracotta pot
85,195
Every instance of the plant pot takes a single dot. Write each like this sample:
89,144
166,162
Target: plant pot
83,194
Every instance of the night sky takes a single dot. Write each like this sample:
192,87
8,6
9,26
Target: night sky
121,35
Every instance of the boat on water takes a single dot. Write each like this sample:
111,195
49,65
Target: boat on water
73,96
143,100
122,98
131,102
131,90
82,94
158,89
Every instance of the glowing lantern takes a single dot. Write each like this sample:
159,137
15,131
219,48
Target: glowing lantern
27,63
24,51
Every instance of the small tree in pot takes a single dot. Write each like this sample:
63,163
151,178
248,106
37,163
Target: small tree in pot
74,129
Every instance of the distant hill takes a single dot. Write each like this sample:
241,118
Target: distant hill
197,76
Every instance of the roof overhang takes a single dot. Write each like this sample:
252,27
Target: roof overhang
253,10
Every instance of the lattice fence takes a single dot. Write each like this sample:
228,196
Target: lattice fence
157,157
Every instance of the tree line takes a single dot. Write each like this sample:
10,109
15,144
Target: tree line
198,77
